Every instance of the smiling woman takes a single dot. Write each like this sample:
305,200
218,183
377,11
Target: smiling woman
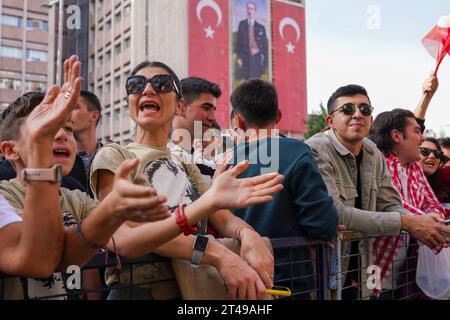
432,161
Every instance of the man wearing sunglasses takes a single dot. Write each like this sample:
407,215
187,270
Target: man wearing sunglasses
358,179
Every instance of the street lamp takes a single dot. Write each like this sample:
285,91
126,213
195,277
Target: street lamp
50,4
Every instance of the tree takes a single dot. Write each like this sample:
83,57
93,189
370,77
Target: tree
317,121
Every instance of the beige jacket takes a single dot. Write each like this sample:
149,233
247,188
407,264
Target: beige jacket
380,202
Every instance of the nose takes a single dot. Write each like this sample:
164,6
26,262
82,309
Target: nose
148,90
212,115
422,139
61,135
357,114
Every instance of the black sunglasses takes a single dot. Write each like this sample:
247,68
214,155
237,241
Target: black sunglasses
161,83
349,109
427,151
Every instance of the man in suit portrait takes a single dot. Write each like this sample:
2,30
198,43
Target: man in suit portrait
251,46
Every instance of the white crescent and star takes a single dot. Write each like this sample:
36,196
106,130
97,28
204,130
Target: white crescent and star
209,31
287,21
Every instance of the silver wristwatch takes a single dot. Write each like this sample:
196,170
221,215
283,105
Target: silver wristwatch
200,245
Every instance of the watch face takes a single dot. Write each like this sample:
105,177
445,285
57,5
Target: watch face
201,242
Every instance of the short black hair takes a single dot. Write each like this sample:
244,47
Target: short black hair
445,142
13,116
257,101
345,91
92,102
192,87
384,123
158,64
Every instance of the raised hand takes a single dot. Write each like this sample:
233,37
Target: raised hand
47,118
128,201
231,192
430,85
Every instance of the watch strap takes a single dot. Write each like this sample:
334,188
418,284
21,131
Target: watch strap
52,174
196,258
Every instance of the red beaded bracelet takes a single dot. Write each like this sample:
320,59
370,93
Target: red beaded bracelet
182,222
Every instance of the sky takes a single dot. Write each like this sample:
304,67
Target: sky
376,44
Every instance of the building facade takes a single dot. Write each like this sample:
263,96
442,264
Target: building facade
23,48
123,33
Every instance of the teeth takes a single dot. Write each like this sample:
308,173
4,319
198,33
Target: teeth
149,106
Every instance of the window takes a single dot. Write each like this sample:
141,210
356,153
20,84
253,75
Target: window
108,25
126,43
11,21
108,87
117,48
35,86
33,24
10,84
126,10
117,82
117,17
34,55
100,91
100,61
117,115
11,52
108,55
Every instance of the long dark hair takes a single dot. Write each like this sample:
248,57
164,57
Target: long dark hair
385,122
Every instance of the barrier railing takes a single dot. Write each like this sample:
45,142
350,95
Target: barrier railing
310,268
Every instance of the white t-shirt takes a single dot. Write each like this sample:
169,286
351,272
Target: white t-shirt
7,214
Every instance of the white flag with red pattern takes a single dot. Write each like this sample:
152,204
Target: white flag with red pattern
437,41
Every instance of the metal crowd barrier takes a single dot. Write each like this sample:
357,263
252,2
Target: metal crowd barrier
310,268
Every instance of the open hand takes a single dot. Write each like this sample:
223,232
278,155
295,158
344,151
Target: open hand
230,192
133,202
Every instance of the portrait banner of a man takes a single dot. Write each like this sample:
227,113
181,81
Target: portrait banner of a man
251,56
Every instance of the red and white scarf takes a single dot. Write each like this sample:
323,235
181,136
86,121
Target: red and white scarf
421,200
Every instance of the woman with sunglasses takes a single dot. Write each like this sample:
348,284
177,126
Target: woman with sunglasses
154,97
432,161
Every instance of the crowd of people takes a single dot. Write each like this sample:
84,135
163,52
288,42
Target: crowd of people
64,195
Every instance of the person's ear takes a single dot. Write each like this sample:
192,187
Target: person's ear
95,115
7,148
239,121
279,116
330,121
396,136
181,108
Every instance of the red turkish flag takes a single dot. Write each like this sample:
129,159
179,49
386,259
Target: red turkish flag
209,56
437,42
289,64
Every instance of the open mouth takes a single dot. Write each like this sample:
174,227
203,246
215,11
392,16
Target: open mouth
151,106
61,153
429,163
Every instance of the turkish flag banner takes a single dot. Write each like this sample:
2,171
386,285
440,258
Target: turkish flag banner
437,41
209,54
289,64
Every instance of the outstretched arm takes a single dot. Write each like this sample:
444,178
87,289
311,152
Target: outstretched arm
429,88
